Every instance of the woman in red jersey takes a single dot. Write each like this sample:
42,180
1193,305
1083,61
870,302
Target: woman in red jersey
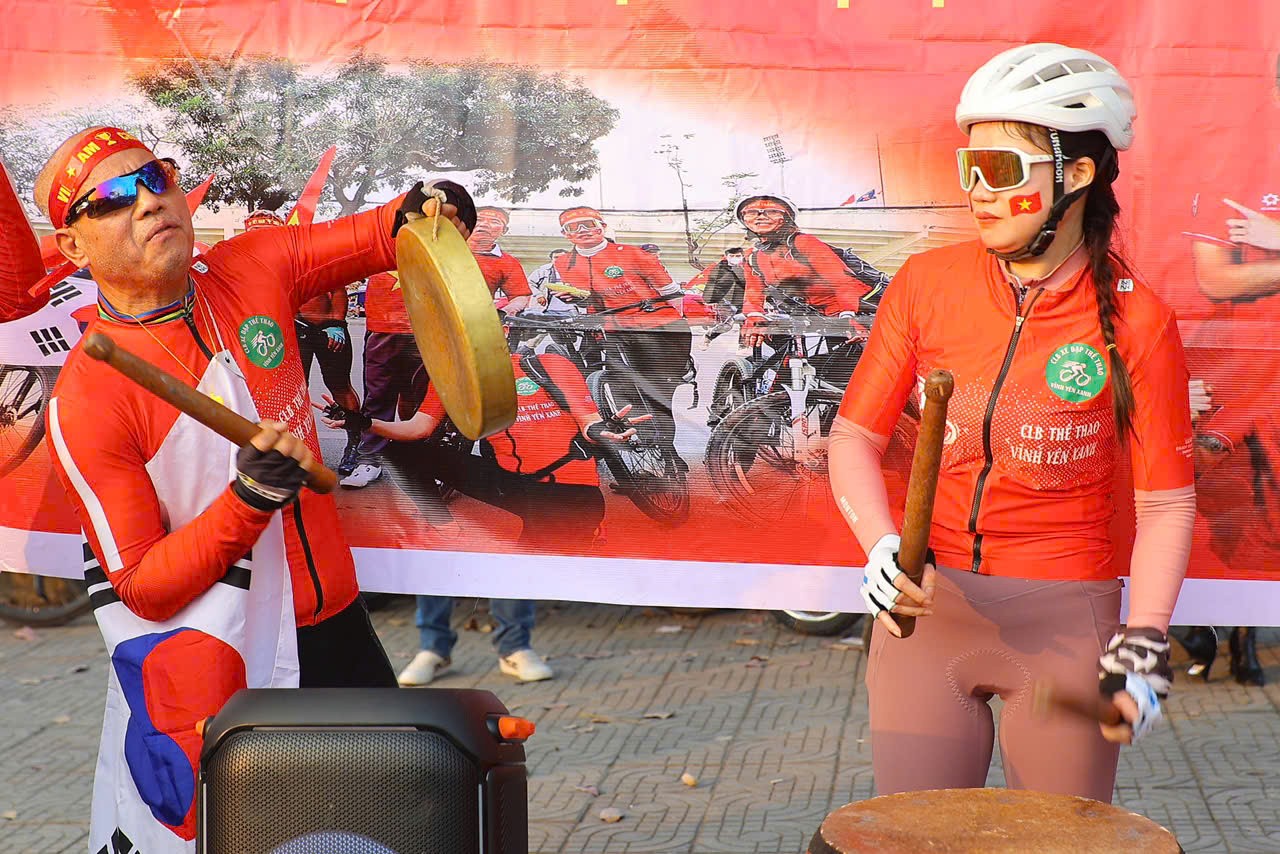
1061,358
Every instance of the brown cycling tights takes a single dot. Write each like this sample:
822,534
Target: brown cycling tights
931,724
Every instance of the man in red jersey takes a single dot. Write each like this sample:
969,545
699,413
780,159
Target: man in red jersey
641,299
189,539
502,272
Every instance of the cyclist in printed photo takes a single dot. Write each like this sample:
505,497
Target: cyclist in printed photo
541,469
544,282
809,276
721,285
1235,250
502,272
395,379
642,301
1061,358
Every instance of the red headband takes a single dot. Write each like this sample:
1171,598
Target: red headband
92,147
498,212
261,219
575,214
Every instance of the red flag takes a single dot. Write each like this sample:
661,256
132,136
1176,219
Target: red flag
304,212
1024,204
19,255
196,197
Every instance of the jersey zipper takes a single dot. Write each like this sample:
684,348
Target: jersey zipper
306,552
297,505
989,458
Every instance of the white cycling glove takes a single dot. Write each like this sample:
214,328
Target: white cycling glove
881,571
1137,661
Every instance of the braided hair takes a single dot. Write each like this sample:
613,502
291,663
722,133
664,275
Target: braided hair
1101,210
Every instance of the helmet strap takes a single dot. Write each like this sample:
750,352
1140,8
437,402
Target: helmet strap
1062,200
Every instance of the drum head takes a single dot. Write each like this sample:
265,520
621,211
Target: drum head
993,821
456,327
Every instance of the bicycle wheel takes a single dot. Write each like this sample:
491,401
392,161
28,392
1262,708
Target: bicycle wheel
821,623
24,394
644,470
765,465
40,601
732,389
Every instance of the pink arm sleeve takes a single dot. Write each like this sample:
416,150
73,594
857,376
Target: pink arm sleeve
857,482
1160,554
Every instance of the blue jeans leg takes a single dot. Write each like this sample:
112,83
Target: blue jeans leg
515,624
433,624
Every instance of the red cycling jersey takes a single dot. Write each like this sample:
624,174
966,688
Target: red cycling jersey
621,275
384,308
247,292
502,272
542,432
805,268
1031,451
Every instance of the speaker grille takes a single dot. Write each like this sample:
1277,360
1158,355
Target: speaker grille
341,792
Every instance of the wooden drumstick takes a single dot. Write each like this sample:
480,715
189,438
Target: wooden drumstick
923,486
1046,698
218,418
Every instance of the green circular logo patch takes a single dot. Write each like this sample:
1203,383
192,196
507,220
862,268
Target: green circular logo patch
613,272
1076,372
262,340
526,387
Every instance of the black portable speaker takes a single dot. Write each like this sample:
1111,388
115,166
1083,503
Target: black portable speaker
362,771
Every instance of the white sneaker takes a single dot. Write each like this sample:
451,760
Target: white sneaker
363,475
526,665
425,667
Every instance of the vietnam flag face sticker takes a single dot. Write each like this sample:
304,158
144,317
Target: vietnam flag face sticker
1024,204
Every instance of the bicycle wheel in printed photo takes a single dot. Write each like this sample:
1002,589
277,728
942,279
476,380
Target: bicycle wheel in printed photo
768,467
644,470
24,394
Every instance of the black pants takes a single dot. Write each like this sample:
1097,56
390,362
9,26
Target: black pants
335,365
658,357
344,652
557,516
395,382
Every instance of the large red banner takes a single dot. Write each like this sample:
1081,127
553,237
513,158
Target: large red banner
659,117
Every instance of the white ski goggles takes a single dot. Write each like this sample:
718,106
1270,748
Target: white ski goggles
999,169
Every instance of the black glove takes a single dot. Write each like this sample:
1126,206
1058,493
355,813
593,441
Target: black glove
266,480
596,430
352,422
601,444
1141,651
454,193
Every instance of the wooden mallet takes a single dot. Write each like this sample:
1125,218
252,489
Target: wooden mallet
1046,698
923,486
204,409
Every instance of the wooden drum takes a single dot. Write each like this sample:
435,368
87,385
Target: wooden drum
967,821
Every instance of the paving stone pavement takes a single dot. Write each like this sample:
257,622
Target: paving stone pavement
772,724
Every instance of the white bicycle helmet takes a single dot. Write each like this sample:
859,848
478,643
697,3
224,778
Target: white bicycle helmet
1064,88
787,203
